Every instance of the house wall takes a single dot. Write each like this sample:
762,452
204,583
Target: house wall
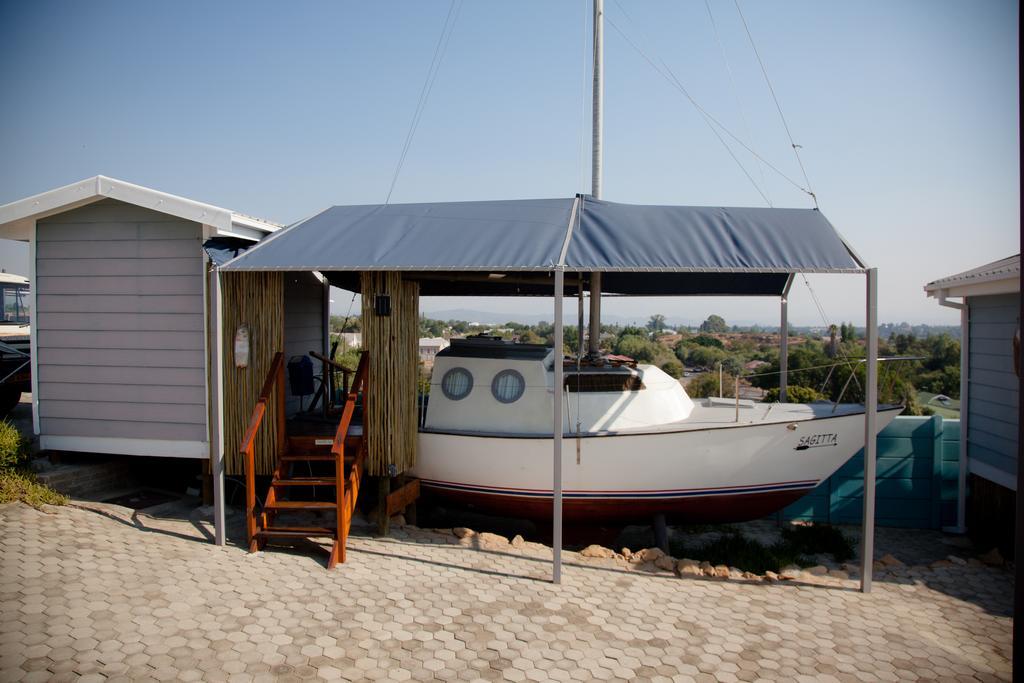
992,395
303,325
119,325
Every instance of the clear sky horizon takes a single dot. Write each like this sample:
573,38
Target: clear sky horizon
907,114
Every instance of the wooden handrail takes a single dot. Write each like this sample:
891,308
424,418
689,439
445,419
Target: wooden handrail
346,495
248,446
276,366
334,365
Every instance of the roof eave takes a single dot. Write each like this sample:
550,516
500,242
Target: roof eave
18,217
968,288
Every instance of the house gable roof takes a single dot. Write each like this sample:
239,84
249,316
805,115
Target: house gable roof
18,217
998,277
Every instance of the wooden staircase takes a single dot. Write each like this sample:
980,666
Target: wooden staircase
336,464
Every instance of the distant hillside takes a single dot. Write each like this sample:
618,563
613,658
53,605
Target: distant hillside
469,315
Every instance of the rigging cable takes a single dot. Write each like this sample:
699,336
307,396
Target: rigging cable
732,86
435,65
771,88
824,319
670,76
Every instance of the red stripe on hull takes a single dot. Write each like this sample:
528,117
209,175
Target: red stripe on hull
732,507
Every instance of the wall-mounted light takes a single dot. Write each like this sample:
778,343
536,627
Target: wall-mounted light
382,305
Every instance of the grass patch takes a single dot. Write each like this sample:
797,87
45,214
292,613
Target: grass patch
733,549
16,482
20,485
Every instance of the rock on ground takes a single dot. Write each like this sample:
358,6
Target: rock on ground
597,551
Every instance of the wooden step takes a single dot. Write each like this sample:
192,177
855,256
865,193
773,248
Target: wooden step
291,456
295,531
301,505
304,481
308,444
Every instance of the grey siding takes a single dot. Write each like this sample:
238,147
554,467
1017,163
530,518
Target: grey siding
303,324
119,324
992,393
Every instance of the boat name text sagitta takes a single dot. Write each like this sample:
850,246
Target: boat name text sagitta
817,441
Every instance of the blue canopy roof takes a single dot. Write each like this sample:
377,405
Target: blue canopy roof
460,247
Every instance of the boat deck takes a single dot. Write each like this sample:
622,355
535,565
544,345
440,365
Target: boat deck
718,413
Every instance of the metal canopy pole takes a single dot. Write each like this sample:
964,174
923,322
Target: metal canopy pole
559,371
217,442
784,340
867,540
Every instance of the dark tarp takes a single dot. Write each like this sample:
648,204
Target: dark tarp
499,235
223,249
626,237
510,248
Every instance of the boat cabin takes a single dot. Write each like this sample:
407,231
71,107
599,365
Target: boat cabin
489,385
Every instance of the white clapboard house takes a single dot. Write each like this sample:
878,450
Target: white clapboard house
120,288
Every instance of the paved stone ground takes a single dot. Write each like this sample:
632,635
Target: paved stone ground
106,592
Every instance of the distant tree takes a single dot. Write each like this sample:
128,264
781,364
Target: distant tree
707,340
633,331
706,384
656,323
528,336
705,356
673,368
714,324
637,347
795,394
352,323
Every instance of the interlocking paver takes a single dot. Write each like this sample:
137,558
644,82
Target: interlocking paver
87,594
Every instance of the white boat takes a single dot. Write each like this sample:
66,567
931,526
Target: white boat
636,444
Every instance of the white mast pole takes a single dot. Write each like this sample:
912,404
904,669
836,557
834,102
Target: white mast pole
596,162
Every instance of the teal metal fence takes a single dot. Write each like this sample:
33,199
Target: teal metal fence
918,464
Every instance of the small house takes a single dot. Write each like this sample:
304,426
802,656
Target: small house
989,305
121,279
430,347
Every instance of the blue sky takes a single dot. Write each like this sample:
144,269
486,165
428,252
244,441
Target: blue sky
907,113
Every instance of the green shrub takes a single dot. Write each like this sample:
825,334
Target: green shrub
795,394
12,448
18,485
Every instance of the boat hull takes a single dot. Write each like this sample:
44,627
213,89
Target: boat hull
720,474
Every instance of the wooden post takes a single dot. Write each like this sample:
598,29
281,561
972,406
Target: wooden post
383,521
207,489
250,496
340,529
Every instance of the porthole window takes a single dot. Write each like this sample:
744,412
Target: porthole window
457,383
508,386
